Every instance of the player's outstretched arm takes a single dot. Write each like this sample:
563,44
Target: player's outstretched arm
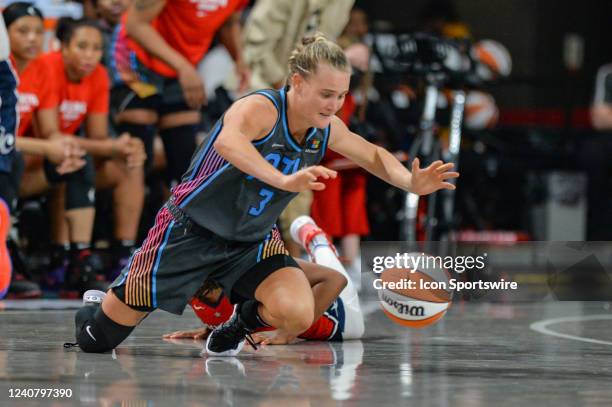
252,118
385,166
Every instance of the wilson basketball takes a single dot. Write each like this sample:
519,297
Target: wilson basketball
415,296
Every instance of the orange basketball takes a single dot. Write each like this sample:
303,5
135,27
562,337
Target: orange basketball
415,297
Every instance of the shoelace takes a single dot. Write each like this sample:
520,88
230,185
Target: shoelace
250,340
237,330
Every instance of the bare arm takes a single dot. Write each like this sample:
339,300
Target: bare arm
47,124
252,118
63,151
98,143
230,36
601,116
385,166
138,25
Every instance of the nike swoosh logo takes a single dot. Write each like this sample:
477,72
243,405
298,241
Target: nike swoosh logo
197,307
87,328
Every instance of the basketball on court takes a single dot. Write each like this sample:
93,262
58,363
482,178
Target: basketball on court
415,297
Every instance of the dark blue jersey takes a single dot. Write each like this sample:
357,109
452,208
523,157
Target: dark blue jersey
234,205
8,114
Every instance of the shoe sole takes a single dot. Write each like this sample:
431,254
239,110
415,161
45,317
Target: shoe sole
227,353
93,297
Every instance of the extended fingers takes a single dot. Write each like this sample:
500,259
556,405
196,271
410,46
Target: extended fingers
320,171
447,175
443,167
416,164
317,186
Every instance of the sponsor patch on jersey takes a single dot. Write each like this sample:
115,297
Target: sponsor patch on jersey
313,146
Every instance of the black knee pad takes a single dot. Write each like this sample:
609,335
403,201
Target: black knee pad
80,187
97,333
179,144
145,132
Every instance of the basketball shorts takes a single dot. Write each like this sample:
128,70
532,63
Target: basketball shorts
178,256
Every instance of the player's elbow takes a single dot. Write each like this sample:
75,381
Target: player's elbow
222,147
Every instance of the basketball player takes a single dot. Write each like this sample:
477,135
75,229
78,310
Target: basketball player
220,221
342,320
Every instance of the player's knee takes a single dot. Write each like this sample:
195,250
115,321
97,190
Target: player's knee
96,332
297,315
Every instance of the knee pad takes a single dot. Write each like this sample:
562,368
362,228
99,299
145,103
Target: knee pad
96,332
145,132
179,144
80,187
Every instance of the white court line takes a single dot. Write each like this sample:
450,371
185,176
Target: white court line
541,327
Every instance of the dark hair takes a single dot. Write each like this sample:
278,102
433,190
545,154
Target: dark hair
20,9
67,26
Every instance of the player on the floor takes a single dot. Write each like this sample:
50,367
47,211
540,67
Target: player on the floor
342,320
219,222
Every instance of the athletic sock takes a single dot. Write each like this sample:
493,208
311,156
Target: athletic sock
248,313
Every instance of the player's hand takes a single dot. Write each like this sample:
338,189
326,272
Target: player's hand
66,152
131,149
432,178
59,149
277,337
307,178
193,86
200,333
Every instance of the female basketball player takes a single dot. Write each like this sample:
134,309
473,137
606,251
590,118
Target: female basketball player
342,320
219,222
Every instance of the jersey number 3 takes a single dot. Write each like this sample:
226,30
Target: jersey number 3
289,167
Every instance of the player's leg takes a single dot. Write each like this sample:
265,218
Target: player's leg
273,291
326,283
282,299
321,250
165,272
101,328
